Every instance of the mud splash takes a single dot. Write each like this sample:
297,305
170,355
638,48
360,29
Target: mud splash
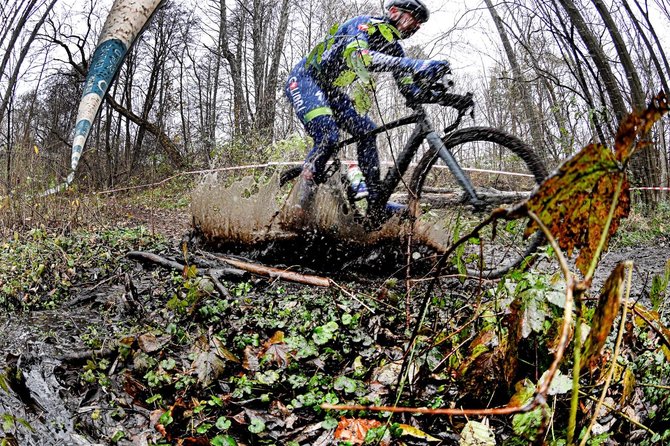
259,219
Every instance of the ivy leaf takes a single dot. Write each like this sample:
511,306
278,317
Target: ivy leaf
389,31
527,424
324,333
256,426
575,202
223,423
346,78
345,383
603,318
223,440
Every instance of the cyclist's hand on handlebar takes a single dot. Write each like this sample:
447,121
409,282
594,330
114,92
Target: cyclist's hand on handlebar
413,94
430,71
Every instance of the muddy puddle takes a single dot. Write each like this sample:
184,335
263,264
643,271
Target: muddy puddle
43,400
36,407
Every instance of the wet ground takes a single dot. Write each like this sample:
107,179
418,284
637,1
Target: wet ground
43,400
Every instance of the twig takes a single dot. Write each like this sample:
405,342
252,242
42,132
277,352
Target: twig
82,356
567,310
353,296
268,271
656,330
219,286
506,410
230,273
621,414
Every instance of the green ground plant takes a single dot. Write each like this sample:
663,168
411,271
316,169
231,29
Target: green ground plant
42,266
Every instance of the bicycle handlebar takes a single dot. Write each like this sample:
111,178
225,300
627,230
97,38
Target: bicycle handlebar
438,93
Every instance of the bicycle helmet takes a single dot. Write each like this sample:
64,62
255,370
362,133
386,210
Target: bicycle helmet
417,8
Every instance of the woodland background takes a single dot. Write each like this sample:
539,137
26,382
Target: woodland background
203,85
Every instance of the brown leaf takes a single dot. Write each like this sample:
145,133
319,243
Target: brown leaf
276,350
491,361
354,430
194,441
574,202
149,343
638,125
653,319
277,338
250,361
628,387
134,388
209,362
278,353
607,310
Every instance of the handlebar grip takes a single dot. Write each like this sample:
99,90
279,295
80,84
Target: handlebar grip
457,101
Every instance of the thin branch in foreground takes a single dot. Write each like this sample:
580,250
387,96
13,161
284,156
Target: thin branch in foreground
268,271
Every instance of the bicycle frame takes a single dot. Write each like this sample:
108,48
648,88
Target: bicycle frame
423,130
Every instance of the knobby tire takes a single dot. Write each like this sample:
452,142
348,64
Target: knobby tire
531,160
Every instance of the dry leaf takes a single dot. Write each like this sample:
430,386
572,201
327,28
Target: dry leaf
477,433
410,431
603,318
636,125
575,202
354,430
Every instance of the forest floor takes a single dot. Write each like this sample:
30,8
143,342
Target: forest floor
100,348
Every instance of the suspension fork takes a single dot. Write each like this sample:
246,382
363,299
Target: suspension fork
435,143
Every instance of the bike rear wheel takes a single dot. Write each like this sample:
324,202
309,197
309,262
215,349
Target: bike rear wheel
489,154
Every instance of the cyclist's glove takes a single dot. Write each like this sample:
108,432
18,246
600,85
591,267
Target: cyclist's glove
431,71
413,94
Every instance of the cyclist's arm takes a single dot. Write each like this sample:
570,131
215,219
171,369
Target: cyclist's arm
378,61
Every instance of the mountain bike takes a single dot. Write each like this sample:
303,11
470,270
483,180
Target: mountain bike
447,196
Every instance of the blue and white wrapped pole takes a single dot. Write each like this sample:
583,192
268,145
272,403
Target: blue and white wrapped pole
124,23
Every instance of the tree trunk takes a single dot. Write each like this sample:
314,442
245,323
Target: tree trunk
646,163
24,52
521,88
597,53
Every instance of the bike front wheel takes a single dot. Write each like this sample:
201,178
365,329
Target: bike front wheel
503,170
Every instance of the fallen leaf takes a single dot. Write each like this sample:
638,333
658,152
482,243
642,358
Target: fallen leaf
410,431
149,343
603,318
193,441
354,430
208,364
250,361
477,433
628,387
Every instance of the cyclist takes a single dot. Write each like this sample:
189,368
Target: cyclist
324,108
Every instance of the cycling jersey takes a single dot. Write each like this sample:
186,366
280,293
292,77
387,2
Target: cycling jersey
324,108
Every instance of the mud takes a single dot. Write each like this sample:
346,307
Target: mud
42,353
649,260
